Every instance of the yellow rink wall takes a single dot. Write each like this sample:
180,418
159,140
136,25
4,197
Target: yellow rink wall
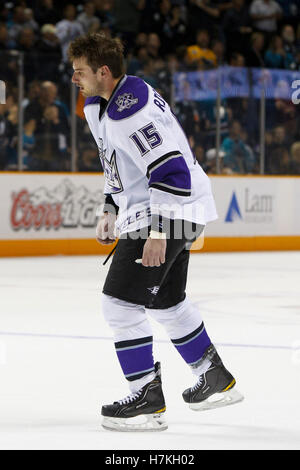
55,213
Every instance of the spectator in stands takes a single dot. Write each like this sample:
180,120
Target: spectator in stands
104,11
26,43
174,31
87,18
254,57
30,21
127,15
5,43
160,14
290,11
12,135
50,153
289,46
51,118
203,14
46,13
218,49
265,15
237,60
3,135
68,29
28,143
16,24
295,159
275,55
277,152
89,160
49,53
153,46
237,27
200,53
238,155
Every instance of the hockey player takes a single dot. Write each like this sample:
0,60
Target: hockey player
158,200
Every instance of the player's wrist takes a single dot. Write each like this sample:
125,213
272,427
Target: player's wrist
154,235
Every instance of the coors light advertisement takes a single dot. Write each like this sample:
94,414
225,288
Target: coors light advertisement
65,206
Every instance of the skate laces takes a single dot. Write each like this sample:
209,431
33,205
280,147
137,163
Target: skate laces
198,384
130,398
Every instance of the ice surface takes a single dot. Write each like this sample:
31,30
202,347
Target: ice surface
58,365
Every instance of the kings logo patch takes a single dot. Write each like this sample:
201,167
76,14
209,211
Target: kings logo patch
110,169
126,101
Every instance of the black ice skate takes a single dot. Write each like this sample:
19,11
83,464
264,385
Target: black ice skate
214,388
141,411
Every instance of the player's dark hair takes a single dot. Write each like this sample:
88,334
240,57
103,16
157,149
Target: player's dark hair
99,50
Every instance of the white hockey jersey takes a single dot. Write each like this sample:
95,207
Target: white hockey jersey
148,164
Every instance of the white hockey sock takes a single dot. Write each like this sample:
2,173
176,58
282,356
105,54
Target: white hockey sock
136,385
202,368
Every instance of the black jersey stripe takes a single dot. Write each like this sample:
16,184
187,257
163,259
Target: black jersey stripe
168,189
133,342
189,337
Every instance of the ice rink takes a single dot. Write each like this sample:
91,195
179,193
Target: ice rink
58,365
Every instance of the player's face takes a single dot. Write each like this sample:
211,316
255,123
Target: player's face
84,77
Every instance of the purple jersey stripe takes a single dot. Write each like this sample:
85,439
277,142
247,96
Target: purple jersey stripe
174,173
194,349
134,361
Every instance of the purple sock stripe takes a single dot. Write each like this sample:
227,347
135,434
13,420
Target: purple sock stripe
136,360
193,350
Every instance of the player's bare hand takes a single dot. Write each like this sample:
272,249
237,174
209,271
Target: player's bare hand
105,230
154,253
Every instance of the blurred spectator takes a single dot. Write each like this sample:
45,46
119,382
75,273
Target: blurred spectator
87,18
275,54
52,129
265,15
50,153
153,46
174,30
238,155
295,159
277,157
49,53
289,46
5,42
104,11
46,13
254,56
12,135
127,15
200,53
29,20
68,29
237,27
290,11
237,60
26,44
28,143
203,14
218,49
16,24
3,136
89,160
136,63
160,15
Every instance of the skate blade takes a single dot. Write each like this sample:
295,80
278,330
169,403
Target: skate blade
218,400
143,423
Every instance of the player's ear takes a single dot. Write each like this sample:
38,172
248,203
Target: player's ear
102,71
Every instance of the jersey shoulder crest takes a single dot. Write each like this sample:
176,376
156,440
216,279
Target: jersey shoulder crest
129,99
